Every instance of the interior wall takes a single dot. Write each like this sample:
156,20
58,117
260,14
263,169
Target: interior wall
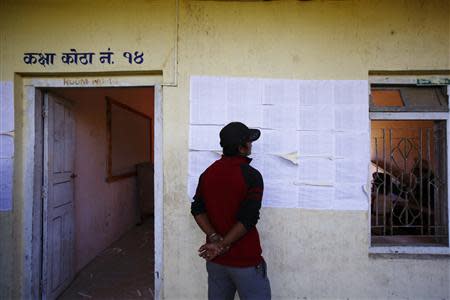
141,100
103,211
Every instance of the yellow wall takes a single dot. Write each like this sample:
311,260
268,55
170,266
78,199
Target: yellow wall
58,26
313,254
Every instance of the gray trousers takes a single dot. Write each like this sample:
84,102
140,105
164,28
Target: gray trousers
251,283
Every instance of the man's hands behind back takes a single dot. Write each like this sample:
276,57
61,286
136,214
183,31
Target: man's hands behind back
213,248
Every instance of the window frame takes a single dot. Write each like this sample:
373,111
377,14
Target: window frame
389,251
407,105
111,176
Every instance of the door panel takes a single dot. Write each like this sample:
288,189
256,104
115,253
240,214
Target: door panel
59,128
62,193
68,140
58,134
56,233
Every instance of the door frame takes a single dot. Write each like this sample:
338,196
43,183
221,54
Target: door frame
28,167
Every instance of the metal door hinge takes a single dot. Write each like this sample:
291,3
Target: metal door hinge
44,192
42,286
44,111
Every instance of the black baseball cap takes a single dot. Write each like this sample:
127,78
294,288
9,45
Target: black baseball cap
237,133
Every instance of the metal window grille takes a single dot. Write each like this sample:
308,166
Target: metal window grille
409,183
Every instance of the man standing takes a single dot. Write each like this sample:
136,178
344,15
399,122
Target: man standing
226,208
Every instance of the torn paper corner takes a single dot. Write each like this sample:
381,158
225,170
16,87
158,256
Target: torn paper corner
366,189
217,152
314,183
8,133
292,157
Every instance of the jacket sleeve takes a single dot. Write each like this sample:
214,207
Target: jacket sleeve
248,213
198,205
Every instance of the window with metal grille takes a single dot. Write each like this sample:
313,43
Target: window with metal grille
409,204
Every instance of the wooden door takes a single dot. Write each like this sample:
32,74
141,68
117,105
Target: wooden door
58,196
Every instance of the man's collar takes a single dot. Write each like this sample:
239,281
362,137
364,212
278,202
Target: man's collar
244,159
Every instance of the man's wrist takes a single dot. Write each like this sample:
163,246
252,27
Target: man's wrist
213,237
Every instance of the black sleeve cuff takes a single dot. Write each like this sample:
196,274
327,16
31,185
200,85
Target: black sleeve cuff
248,213
198,206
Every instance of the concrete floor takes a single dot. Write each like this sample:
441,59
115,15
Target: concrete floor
122,271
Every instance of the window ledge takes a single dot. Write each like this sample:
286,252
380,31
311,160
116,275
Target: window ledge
409,252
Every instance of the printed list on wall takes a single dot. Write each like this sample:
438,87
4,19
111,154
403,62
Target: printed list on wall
314,149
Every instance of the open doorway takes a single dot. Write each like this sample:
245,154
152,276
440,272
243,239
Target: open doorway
97,174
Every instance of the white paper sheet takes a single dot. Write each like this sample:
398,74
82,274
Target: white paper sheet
208,100
6,106
317,117
281,92
350,171
208,114
280,116
291,93
206,138
6,185
352,145
208,90
280,194
316,92
350,197
290,157
6,146
200,160
315,197
316,170
272,91
352,118
247,113
258,162
257,146
316,143
244,101
276,168
244,91
322,125
351,92
279,141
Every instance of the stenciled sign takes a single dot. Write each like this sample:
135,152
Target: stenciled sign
73,57
433,81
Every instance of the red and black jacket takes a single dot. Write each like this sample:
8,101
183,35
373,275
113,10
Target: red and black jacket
230,191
